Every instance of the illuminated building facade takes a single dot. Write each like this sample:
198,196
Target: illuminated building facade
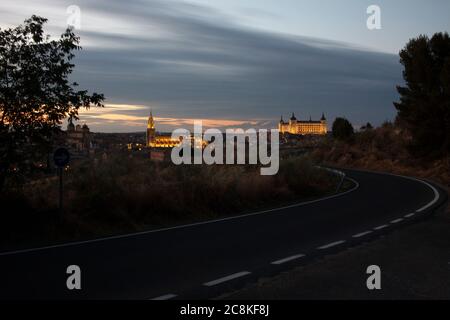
78,138
157,140
300,127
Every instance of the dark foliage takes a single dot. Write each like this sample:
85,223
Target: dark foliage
342,129
424,106
368,126
35,93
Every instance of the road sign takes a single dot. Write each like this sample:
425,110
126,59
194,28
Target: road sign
61,157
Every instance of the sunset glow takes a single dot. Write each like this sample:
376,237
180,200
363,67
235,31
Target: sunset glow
134,118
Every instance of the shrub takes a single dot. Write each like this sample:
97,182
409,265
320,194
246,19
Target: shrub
342,129
123,195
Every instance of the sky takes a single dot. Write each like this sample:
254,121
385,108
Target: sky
236,63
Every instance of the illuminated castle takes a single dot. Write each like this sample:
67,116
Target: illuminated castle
159,141
300,127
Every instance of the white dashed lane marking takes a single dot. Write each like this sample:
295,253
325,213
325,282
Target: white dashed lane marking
165,297
281,261
362,234
397,220
410,215
381,227
227,278
333,244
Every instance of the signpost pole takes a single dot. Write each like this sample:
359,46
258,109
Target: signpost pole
61,158
60,171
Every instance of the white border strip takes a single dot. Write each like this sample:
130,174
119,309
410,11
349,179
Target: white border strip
164,297
362,234
436,196
435,191
281,261
227,278
330,245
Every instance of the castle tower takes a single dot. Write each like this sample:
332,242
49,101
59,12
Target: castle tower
151,132
280,125
323,122
292,123
293,118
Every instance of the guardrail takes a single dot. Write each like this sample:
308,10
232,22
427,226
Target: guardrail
337,172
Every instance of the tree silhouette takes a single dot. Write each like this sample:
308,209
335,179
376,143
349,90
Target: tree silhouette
368,126
424,106
342,129
35,93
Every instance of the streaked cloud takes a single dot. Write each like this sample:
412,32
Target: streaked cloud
189,61
118,116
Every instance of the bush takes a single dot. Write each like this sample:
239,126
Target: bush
342,129
124,194
382,149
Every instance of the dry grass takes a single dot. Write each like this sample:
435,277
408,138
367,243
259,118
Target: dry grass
383,149
122,194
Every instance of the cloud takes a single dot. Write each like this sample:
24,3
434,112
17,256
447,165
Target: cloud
189,61
125,117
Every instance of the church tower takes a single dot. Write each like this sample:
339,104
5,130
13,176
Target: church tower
151,133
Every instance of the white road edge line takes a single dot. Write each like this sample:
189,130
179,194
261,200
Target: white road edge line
75,243
281,261
384,226
165,297
435,191
362,234
436,196
333,244
397,220
410,215
227,278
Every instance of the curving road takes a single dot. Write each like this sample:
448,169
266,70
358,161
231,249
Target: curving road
206,259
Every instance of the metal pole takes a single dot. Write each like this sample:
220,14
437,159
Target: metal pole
60,189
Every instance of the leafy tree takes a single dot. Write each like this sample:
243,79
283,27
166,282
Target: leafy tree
424,106
342,129
35,93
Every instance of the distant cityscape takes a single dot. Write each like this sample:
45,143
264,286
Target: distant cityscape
82,143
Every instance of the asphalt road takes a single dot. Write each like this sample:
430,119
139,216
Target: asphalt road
207,259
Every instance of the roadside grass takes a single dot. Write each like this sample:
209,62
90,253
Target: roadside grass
382,149
122,194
